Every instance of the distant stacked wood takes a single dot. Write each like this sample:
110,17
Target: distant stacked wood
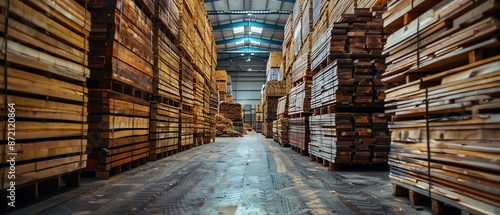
275,130
121,60
274,89
221,79
259,116
232,111
270,108
443,75
273,65
225,127
46,81
267,129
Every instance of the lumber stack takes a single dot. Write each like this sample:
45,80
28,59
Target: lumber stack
198,107
221,80
288,50
283,130
275,130
273,69
46,105
231,111
270,94
229,93
301,69
443,69
300,98
299,134
297,26
121,60
259,118
187,102
213,110
274,89
164,120
282,109
270,107
349,126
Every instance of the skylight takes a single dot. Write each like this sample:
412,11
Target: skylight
255,42
255,29
238,30
240,42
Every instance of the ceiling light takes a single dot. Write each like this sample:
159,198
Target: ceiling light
249,14
252,53
242,54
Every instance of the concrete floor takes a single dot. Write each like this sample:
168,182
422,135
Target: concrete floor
248,175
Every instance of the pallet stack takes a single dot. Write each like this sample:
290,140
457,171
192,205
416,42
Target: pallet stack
270,94
221,79
46,109
164,121
283,131
273,66
275,130
213,110
259,118
233,112
347,94
121,61
443,69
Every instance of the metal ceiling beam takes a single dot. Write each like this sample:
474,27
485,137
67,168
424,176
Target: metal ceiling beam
242,12
241,57
248,23
254,39
244,51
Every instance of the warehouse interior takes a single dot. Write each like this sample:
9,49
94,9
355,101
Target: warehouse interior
250,107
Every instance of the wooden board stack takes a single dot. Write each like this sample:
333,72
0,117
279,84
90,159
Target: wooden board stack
445,60
46,94
121,61
275,130
274,89
347,94
288,51
259,118
282,109
232,111
283,131
198,106
300,99
270,94
164,120
213,110
187,102
221,79
229,93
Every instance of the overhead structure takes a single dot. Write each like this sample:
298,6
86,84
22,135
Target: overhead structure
247,12
249,23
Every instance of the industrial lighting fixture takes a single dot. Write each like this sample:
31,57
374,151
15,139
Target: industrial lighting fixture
249,14
242,54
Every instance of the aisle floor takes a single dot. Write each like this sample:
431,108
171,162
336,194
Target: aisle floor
248,175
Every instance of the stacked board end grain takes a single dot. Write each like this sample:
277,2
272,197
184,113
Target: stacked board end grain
349,125
121,62
232,111
46,101
283,131
444,72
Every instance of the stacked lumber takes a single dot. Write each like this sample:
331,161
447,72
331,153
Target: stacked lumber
319,9
45,80
275,130
259,116
299,134
121,60
300,98
297,26
232,111
301,69
221,80
270,109
288,50
213,110
198,106
282,109
187,102
164,120
267,129
444,102
283,131
274,89
274,61
307,18
258,127
167,16
347,94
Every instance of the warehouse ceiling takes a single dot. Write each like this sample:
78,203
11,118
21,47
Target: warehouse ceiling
246,31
